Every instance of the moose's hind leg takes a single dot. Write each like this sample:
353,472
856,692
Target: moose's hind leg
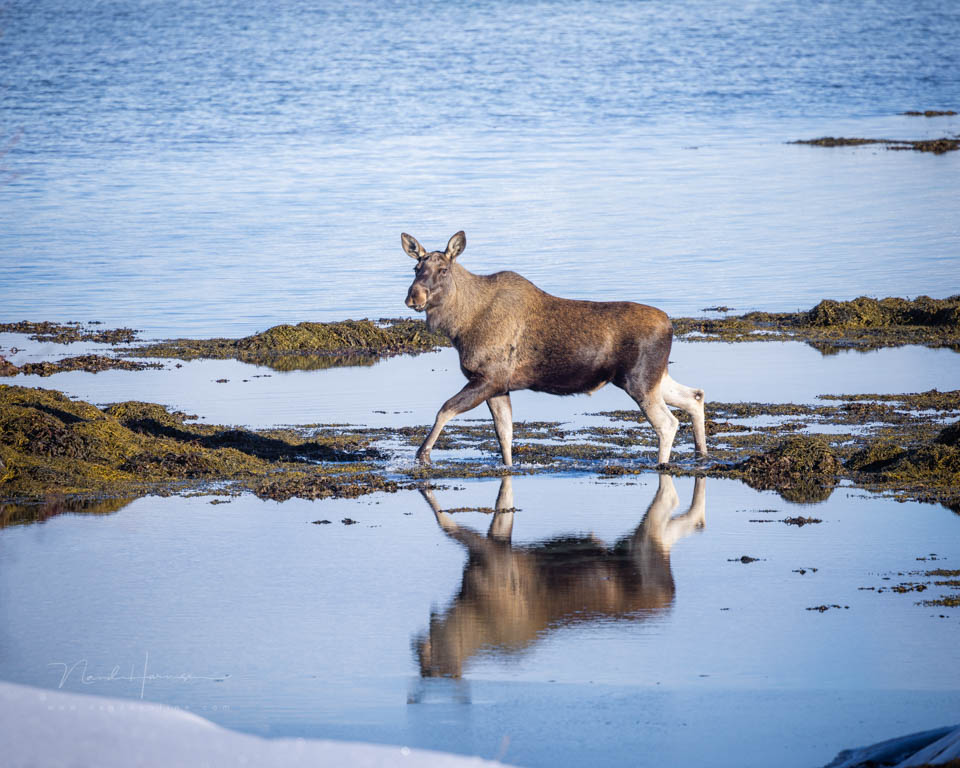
664,423
690,400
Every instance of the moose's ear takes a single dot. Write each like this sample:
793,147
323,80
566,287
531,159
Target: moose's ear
411,246
456,245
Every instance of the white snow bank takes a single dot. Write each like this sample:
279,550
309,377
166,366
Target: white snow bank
928,747
941,751
48,729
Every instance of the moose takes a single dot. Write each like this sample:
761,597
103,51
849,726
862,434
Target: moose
512,336
512,596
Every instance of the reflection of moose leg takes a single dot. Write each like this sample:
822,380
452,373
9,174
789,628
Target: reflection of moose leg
653,539
501,527
659,527
681,526
489,591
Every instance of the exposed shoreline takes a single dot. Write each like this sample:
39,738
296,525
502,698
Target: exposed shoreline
58,453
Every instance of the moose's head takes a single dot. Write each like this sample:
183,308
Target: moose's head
433,281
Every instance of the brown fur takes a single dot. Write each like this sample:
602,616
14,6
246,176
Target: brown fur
511,336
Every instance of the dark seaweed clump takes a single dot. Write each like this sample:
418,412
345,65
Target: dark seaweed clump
936,146
929,113
68,333
863,323
802,468
307,346
303,485
930,470
88,363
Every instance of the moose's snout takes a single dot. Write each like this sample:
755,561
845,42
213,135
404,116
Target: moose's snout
416,297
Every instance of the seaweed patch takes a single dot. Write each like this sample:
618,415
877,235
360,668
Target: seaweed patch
69,333
936,146
51,445
903,445
801,468
307,346
88,363
929,113
863,323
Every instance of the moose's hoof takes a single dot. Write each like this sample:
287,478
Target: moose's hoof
423,458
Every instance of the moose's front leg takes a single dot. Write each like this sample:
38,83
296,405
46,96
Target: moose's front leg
503,424
476,391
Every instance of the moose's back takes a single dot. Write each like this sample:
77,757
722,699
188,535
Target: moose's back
570,346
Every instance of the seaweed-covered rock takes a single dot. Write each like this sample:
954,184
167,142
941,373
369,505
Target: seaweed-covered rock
50,444
147,418
859,312
307,346
929,112
39,432
928,472
863,323
865,312
875,456
936,462
802,468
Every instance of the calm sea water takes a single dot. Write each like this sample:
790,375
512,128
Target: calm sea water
202,167
250,616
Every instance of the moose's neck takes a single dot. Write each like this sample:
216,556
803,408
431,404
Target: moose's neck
458,310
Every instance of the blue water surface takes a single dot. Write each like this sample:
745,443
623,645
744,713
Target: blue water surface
206,167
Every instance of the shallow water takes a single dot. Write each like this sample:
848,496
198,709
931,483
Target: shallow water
255,396
248,614
662,648
196,169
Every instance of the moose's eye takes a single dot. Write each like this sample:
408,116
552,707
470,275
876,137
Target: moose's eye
443,270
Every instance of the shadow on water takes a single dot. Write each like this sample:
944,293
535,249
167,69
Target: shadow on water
513,596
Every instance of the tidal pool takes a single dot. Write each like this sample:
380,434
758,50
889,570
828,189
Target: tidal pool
600,621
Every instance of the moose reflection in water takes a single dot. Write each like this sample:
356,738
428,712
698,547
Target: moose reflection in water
511,596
